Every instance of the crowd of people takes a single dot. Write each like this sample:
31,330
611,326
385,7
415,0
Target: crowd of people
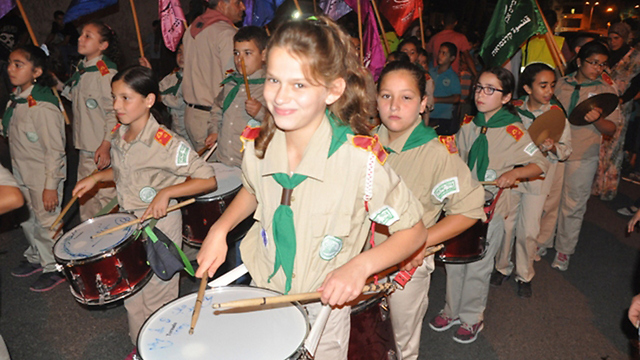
435,145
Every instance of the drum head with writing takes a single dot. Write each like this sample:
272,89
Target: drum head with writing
258,333
229,178
78,244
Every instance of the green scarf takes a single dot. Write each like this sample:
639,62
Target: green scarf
284,232
479,152
575,96
238,80
174,89
75,78
421,135
38,93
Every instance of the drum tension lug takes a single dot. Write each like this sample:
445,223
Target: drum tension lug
77,280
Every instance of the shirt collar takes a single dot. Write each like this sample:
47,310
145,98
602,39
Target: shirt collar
91,62
542,109
24,94
147,134
398,144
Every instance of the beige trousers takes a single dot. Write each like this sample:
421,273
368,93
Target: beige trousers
197,122
334,341
549,221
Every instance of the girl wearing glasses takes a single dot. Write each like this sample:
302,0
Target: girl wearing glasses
580,168
492,144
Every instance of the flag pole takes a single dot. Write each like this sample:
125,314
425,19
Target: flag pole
360,31
424,46
297,6
35,42
135,21
551,44
382,31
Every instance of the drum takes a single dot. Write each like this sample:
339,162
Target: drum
274,332
371,335
107,268
470,245
198,217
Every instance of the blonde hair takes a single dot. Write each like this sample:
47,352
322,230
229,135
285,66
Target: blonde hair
327,55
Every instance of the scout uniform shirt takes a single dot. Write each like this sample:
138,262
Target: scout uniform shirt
585,140
6,179
171,94
37,139
154,160
331,223
230,123
93,114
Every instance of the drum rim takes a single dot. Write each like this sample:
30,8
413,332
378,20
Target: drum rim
203,198
93,258
220,288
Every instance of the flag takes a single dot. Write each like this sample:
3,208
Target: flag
5,7
373,54
401,13
79,8
172,22
260,12
512,23
335,9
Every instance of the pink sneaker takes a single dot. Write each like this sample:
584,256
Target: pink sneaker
133,355
561,262
442,322
466,334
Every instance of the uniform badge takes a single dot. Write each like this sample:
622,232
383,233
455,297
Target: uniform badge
162,137
531,149
371,144
263,236
490,175
330,247
182,157
467,119
102,67
446,82
449,142
427,76
31,101
386,215
249,134
147,194
515,131
445,188
517,102
91,103
115,128
607,78
32,136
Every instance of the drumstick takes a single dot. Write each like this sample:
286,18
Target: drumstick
291,298
202,151
246,81
67,207
208,155
486,183
433,249
196,310
136,221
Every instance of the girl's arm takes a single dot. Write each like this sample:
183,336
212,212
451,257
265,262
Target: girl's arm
449,227
214,248
509,178
158,207
86,184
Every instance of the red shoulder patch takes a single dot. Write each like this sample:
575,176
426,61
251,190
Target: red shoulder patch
31,101
427,76
467,119
371,144
115,128
229,72
162,137
607,78
102,67
449,142
517,102
249,134
556,107
515,131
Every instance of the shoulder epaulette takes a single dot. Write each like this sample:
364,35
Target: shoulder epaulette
31,101
115,128
449,141
249,134
162,136
467,119
515,131
372,144
102,67
607,78
517,102
229,72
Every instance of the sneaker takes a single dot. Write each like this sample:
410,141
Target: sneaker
561,262
628,211
26,269
47,281
442,322
540,252
524,289
466,334
497,278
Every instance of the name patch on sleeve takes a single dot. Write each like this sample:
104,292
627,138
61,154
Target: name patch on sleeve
386,215
182,157
446,188
531,149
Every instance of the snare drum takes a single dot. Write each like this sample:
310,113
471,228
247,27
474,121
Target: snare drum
107,268
273,332
371,336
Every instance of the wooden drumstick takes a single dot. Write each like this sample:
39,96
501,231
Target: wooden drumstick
433,249
196,310
208,155
136,221
246,81
67,207
291,298
493,183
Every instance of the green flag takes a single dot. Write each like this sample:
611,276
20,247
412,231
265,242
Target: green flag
512,23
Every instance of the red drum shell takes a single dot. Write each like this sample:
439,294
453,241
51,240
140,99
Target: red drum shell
371,335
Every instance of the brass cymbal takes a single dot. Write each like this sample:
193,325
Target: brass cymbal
607,102
548,125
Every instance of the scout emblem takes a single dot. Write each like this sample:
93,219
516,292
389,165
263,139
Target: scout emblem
91,103
162,137
102,67
467,119
32,102
330,247
449,141
515,131
386,215
490,175
32,136
445,188
371,144
147,194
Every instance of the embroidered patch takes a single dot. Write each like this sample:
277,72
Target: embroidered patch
445,188
91,104
102,67
31,101
517,102
249,134
467,119
490,175
263,235
371,144
607,78
449,141
386,215
147,194
330,247
115,128
515,131
531,149
32,136
182,157
162,137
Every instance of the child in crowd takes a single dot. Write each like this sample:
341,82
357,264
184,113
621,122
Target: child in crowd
436,175
150,167
411,46
171,96
314,152
423,59
447,91
398,56
492,143
233,109
35,127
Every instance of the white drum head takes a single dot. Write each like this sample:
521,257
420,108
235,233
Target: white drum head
78,244
267,333
229,178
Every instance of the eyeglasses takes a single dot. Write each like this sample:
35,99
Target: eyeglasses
595,64
488,90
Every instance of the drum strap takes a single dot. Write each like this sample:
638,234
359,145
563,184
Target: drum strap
489,209
107,208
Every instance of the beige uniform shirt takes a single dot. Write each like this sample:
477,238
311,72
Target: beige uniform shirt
585,139
156,159
506,149
175,103
206,59
6,179
93,114
36,141
229,126
328,205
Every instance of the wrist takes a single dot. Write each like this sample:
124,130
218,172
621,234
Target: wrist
94,178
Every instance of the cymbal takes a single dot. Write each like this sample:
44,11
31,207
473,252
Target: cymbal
548,125
607,102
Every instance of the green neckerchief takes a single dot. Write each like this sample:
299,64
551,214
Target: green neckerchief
38,93
479,152
284,232
238,80
421,135
575,96
75,78
529,114
174,89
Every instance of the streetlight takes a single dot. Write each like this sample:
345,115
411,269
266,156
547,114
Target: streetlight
610,9
591,14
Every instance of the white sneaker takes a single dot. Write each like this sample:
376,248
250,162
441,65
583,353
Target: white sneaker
561,262
628,211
